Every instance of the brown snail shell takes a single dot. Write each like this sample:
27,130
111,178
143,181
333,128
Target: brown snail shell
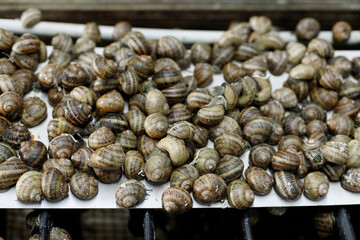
326,98
355,67
110,102
83,186
341,31
198,99
158,167
127,140
137,101
313,111
247,114
230,37
269,40
59,233
285,96
209,188
84,95
4,123
108,176
62,164
9,84
11,105
146,145
136,121
176,200
16,134
259,181
34,111
53,185
83,45
221,55
102,86
201,136
6,151
335,152
26,78
273,110
81,160
258,130
294,125
104,68
206,160
354,154
321,47
227,125
156,125
102,137
49,75
10,171
316,185
116,122
30,17
55,96
307,28
26,46
285,161
315,126
190,83
277,133
121,29
342,64
261,24
302,72
324,223
287,185
260,155
212,113
29,61
28,187
156,102
167,76
34,153
257,63
246,51
341,124
62,42
59,58
264,92
63,146
130,193
314,60
182,130
230,168
276,61
129,83
347,106
170,47
230,143
143,66
73,76
295,51
175,148
350,180
75,112
200,52
58,126
111,157
329,78
134,165
341,139
240,195
91,31
291,143
203,74
184,177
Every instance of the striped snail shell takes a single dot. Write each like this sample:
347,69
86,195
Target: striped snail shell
209,188
316,185
102,137
334,171
127,140
230,168
350,89
182,130
169,63
102,86
76,112
83,45
259,181
184,177
201,136
324,223
261,24
7,67
49,75
232,72
285,160
246,51
269,40
212,113
291,143
260,155
277,61
170,47
329,78
63,146
175,93
121,29
354,154
184,63
55,96
206,160
257,63
285,96
351,179
295,51
221,55
104,68
347,106
137,101
229,38
110,102
231,96
136,120
240,195
81,159
143,66
26,46
158,167
10,171
111,157
342,65
341,124
247,114
59,58
108,176
321,47
258,130
341,139
294,125
6,151
16,134
335,152
84,95
7,39
116,122
231,144
53,185
156,102
91,31
9,84
277,133
73,76
129,83
200,52
62,164
203,74
313,111
28,187
62,42
167,76
264,91
341,31
84,186
134,165
30,17
198,99
130,193
227,125
302,72
34,111
58,126
326,98
301,88
273,110
175,148
156,125
307,28
34,153
29,61
4,123
59,233
11,105
287,185
176,200
146,145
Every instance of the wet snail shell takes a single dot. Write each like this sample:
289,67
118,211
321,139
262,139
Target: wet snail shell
200,52
10,171
260,24
16,134
34,111
55,96
155,102
209,188
203,74
129,83
175,148
341,31
130,193
276,61
156,125
84,95
121,29
260,155
158,167
273,110
73,76
258,130
104,68
277,133
26,46
137,102
84,186
101,138
321,47
247,114
9,84
240,195
294,125
34,153
335,152
116,122
28,187
81,160
146,145
176,200
11,105
134,165
76,112
190,83
329,78
184,177
230,143
350,180
326,98
198,99
307,28
182,130
49,75
285,96
212,113
227,125
230,168
6,151
110,102
53,185
62,164
259,181
287,185
63,146
7,39
341,124
206,160
316,185
111,157
143,66
6,66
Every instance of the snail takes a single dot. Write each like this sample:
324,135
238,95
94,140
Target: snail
329,78
63,146
182,130
230,143
55,96
347,106
121,29
30,17
294,125
6,151
261,24
7,39
110,102
58,126
91,31
73,76
221,55
176,200
53,185
326,98
175,148
127,140
83,45
240,195
59,58
81,159
16,134
206,160
111,157
335,152
269,40
108,176
350,180
258,130
158,167
26,78
313,111
9,84
321,47
230,168
203,74
307,28
302,72
28,187
116,122
285,160
277,61
260,155
170,47
246,51
198,99
287,185
184,177
130,193
342,65
134,165
247,114
354,154
227,125
76,112
155,102
166,76
200,52
285,96
34,153
84,95
62,42
259,181
146,145
341,31
314,60
341,124
295,51
102,137
62,164
10,171
26,46
316,185
34,111
11,105
83,186
209,188
156,125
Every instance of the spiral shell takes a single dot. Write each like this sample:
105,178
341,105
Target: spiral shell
246,51
258,130
230,143
259,181
347,106
130,193
53,185
30,17
313,111
62,164
227,125
158,167
7,67
285,96
209,188
294,125
156,125
58,126
307,28
156,102
83,186
111,157
34,153
176,200
291,143
84,95
341,31
287,185
273,110
134,165
11,105
102,137
230,168
62,42
206,160
108,176
16,134
261,24
34,111
321,47
175,148
295,51
221,55
350,180
28,187
316,185
170,47
184,177
326,98
26,46
260,155
73,76
285,161
276,61
7,39
59,233
146,145
6,151
240,195
121,29
9,84
341,124
213,113
75,112
200,52
10,171
201,136
110,102
335,152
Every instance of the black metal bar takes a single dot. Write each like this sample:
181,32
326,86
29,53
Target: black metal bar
149,233
345,227
45,225
245,225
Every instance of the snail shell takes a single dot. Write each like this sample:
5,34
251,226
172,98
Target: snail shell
264,92
9,84
102,86
277,133
231,37
104,68
260,155
81,160
341,124
175,93
273,110
175,148
34,153
321,47
30,17
6,151
212,113
295,51
62,42
294,125
200,52
287,185
49,75
231,96
206,160
201,136
156,125
176,200
170,47
29,61
116,122
58,126
34,112
156,102
136,120
209,188
351,180
231,144
83,45
329,78
326,98
73,76
110,102
134,165
11,105
4,123
26,78
334,171
324,223
62,164
203,74
313,111
291,143
246,51
28,187
198,99
342,64
230,168
341,139
59,233
258,130
102,137
354,154
108,176
227,125
285,96
111,157
127,140
75,112
302,72
55,96
137,102
84,95
316,185
314,60
146,145
10,171
158,167
261,24
130,193
26,46
91,31
167,76
16,134
53,185
7,39
221,55
143,66
259,181
247,114
184,177
84,186
129,83
257,63
347,106
121,29
276,61
59,58
182,130
335,152
240,195
307,28
269,40
355,67
63,146
341,31
285,161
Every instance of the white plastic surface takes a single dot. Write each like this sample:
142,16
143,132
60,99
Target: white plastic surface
106,195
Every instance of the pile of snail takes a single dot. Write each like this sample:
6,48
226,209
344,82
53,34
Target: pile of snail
164,134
